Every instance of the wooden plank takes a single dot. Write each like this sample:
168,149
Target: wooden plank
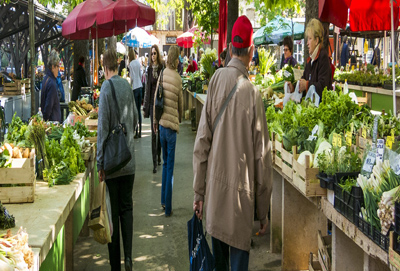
353,232
278,145
394,257
287,170
363,142
278,161
287,156
20,194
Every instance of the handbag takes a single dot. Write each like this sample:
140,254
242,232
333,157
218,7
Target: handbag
116,151
200,256
159,103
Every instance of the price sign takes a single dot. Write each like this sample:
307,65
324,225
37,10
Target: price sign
375,134
339,140
334,140
380,149
389,141
364,132
369,162
349,137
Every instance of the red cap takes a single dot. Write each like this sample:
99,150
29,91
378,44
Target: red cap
244,30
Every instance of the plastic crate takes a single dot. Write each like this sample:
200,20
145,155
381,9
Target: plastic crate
397,218
383,241
339,176
326,181
348,204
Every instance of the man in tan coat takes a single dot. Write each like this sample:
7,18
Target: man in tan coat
232,157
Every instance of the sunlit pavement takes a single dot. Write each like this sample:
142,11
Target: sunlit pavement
160,243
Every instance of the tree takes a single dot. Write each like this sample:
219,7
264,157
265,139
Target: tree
311,12
206,13
233,14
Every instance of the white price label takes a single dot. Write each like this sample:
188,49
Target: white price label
286,73
397,169
380,150
315,129
369,162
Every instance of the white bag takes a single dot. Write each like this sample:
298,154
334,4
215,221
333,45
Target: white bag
295,96
313,95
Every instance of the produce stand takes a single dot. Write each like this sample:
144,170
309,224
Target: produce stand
194,103
56,218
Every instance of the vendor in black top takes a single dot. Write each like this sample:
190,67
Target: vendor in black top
317,72
79,79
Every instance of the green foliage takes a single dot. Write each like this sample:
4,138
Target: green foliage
5,159
206,13
17,132
267,60
7,220
207,62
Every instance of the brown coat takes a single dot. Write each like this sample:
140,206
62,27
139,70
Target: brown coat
173,100
233,167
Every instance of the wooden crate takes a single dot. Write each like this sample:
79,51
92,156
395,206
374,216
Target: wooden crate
313,263
77,118
277,146
92,139
22,172
91,124
87,152
287,163
304,178
18,87
394,257
324,245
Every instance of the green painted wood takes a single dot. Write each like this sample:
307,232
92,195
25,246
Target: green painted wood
81,210
55,257
380,102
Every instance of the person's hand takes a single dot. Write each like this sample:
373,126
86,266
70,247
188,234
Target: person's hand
198,208
291,87
263,228
155,127
102,175
303,85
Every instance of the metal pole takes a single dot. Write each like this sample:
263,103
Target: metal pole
393,65
31,8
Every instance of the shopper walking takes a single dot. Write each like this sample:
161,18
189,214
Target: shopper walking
120,183
169,124
232,157
135,73
344,53
50,103
153,72
79,79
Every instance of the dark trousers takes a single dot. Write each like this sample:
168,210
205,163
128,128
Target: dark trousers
155,141
239,258
138,100
120,190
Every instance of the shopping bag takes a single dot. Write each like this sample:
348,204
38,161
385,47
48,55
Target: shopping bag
313,95
295,96
100,219
200,255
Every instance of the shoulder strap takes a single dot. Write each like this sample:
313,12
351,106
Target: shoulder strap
227,100
115,100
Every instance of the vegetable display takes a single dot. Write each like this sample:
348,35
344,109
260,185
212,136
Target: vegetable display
15,254
80,108
6,219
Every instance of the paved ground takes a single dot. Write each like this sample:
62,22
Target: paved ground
160,243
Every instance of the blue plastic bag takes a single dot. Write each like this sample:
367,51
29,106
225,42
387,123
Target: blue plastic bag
200,255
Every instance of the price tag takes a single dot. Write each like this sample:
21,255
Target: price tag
334,140
339,140
286,73
349,136
380,149
364,132
389,141
375,134
369,162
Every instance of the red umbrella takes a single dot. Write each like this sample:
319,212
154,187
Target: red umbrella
185,40
80,22
125,14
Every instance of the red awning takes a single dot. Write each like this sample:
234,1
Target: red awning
365,15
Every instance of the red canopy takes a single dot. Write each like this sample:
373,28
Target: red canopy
125,14
81,21
365,15
185,40
222,27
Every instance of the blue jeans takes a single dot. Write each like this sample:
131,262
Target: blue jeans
239,258
168,143
138,100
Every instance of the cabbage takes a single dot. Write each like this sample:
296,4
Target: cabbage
302,158
326,147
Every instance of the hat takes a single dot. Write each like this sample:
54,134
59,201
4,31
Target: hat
243,29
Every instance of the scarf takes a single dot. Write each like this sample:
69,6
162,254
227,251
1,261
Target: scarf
314,54
155,70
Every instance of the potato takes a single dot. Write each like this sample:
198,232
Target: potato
25,154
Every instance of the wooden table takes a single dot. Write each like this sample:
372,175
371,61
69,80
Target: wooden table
194,102
295,221
50,219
